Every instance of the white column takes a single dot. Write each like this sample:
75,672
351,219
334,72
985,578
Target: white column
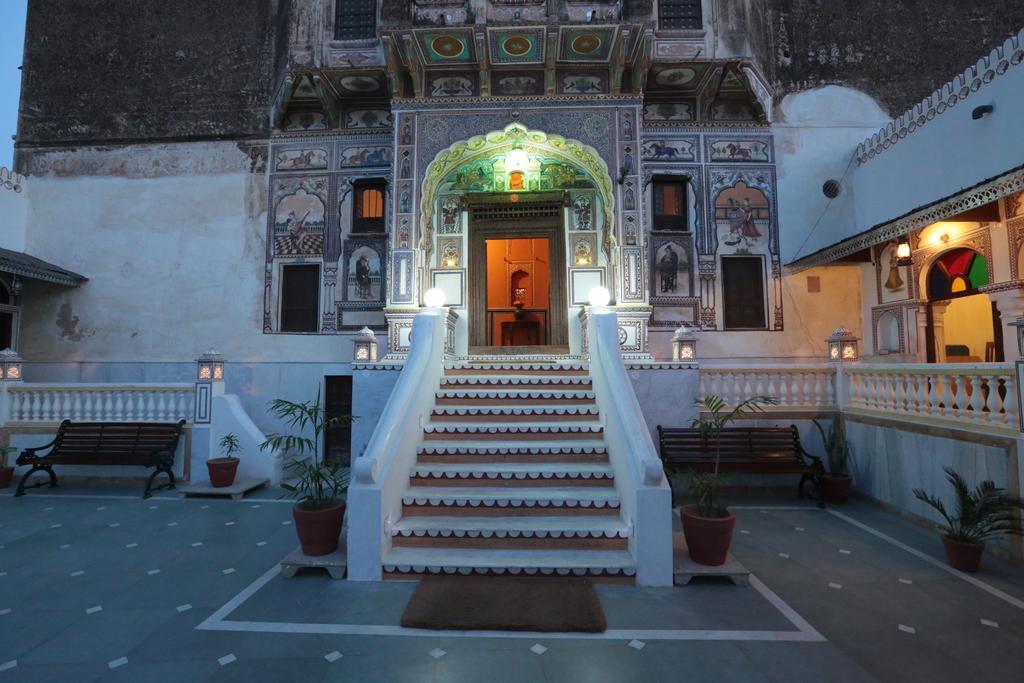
1011,306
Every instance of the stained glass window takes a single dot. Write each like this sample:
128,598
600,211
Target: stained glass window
956,272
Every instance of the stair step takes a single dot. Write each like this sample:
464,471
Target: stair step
467,451
507,380
505,431
470,397
528,368
412,562
505,474
526,500
525,413
581,532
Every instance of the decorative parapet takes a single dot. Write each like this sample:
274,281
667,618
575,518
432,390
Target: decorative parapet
9,180
986,70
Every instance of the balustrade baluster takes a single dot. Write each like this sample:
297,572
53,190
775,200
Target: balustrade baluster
980,386
1009,414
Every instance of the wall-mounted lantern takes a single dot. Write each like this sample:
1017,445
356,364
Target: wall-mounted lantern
10,365
210,367
365,346
843,346
904,256
684,343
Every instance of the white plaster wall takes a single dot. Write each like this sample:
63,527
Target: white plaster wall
948,154
13,210
816,134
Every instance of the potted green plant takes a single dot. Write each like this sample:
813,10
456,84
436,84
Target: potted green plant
223,469
983,513
319,513
836,484
708,524
6,473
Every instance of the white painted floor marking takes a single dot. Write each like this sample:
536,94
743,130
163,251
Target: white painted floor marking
101,508
3,573
114,525
120,661
437,653
261,544
229,523
172,524
538,649
204,507
56,526
7,666
332,657
77,573
5,611
48,509
992,590
907,629
744,531
183,608
844,551
94,610
989,622
227,659
286,522
837,586
906,581
153,507
805,633
65,546
798,528
229,570
637,644
153,572
131,545
256,506
784,556
197,544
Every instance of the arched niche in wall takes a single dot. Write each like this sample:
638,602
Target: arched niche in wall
889,339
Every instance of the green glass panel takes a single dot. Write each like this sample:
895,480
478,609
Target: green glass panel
978,274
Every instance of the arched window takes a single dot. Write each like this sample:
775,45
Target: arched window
368,208
956,273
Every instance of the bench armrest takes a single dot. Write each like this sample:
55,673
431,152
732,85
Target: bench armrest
814,460
29,454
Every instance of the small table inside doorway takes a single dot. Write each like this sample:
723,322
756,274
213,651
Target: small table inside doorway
520,333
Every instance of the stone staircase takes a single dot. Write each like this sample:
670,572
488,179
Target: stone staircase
512,477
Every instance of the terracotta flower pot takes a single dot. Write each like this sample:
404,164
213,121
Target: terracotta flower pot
707,538
222,471
5,476
963,556
319,530
836,490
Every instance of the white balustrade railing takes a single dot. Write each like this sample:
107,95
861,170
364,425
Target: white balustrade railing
793,386
978,394
100,402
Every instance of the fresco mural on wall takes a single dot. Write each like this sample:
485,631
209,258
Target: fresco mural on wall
583,84
743,219
364,156
452,86
583,212
669,111
739,149
301,159
670,268
670,150
517,46
518,83
732,111
892,279
304,120
300,205
368,118
364,270
475,177
584,248
450,221
1015,205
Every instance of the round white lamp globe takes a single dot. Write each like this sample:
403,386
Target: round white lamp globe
599,297
434,298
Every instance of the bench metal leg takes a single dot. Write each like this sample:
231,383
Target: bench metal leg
36,468
166,469
815,479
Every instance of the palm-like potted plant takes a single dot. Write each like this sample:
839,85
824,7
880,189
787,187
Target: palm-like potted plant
835,484
982,513
708,524
318,483
222,470
6,473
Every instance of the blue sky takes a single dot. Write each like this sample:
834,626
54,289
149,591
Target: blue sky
12,41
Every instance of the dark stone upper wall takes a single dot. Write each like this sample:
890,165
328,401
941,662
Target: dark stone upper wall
103,71
897,52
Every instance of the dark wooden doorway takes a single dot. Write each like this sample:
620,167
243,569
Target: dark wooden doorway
495,216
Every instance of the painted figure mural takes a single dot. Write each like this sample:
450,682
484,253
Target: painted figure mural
742,214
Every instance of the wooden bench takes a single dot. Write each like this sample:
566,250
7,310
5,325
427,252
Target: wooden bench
746,450
145,444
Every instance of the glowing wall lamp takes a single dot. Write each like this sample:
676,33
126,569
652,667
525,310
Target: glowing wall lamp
365,346
10,365
843,346
210,367
684,343
433,298
904,256
599,297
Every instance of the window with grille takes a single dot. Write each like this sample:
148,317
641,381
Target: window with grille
300,298
669,197
368,208
338,436
355,19
743,292
679,15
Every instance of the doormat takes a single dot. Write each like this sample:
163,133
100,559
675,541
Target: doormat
505,603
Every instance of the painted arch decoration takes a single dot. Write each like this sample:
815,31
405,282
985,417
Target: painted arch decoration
957,271
481,148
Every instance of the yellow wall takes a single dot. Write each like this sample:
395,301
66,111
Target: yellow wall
968,320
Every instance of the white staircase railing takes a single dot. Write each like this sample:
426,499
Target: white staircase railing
36,403
646,500
381,473
983,394
803,387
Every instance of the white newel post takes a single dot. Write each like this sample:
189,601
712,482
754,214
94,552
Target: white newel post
843,348
1018,326
10,373
209,384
